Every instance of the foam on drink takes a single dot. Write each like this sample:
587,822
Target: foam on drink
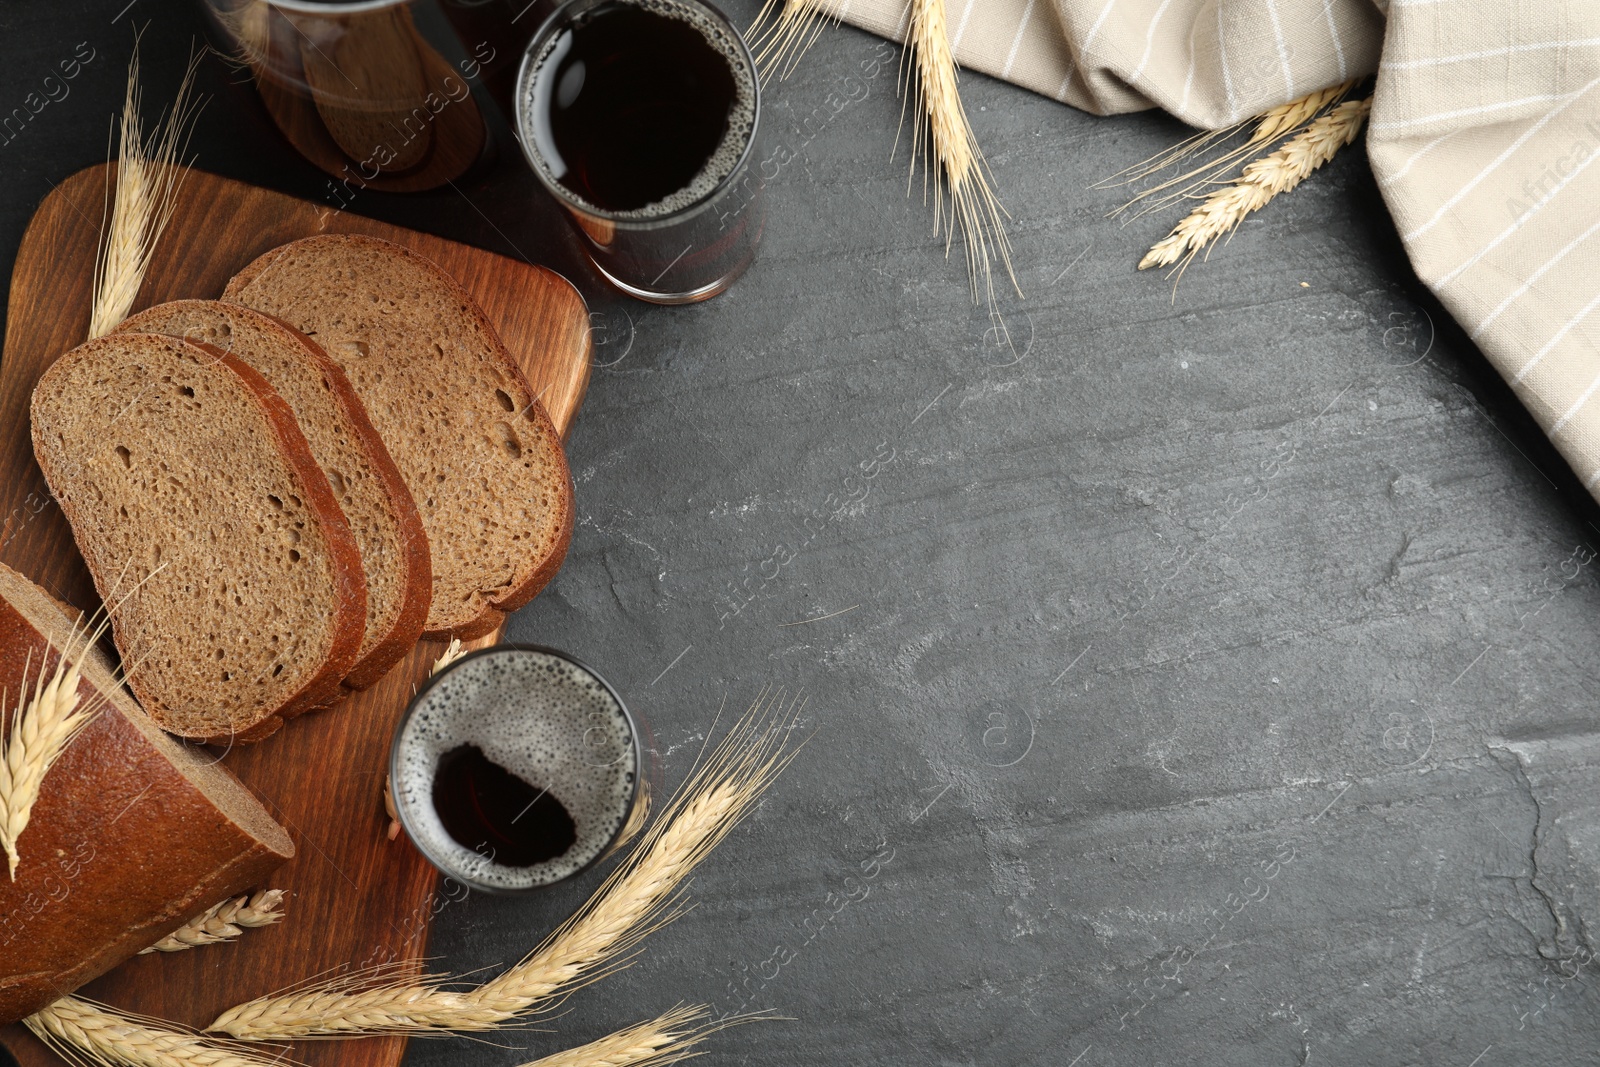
541,718
644,107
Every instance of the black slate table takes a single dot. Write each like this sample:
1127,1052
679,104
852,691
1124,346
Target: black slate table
1207,679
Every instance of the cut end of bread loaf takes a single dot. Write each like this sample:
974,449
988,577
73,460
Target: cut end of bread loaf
369,489
235,586
144,830
483,461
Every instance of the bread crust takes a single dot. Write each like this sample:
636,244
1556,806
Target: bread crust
540,571
349,607
123,846
348,592
407,628
418,573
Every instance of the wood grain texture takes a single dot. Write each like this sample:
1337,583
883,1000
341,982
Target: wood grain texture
354,897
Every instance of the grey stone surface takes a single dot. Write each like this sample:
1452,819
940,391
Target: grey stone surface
1215,670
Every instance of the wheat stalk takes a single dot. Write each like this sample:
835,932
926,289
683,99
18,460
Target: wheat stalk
452,652
665,1039
1261,180
93,1035
636,818
1277,123
223,921
149,177
642,894
943,140
782,32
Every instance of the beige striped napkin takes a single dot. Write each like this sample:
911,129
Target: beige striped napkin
1484,127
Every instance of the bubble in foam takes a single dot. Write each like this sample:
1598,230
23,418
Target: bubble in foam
729,151
544,719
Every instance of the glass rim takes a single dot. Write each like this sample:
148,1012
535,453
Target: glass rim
416,701
541,37
333,7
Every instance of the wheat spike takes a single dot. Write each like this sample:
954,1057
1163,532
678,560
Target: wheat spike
40,731
223,921
943,140
665,1039
452,652
93,1035
643,893
782,32
149,176
1262,180
636,818
1277,123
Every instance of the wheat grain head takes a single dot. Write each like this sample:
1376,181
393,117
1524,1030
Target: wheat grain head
642,894
40,729
1277,123
92,1035
943,142
149,177
665,1039
223,921
1264,178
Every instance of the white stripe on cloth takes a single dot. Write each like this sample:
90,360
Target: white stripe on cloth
1283,49
1390,179
1481,109
1517,225
1016,42
1544,120
1149,40
1338,44
1227,75
1094,31
1533,278
1188,81
1583,399
966,13
1550,344
1492,53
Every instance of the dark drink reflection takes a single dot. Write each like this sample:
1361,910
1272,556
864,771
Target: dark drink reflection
357,90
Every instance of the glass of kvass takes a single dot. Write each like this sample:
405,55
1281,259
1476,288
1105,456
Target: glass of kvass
514,768
640,117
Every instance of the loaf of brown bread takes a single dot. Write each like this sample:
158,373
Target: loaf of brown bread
201,513
133,832
482,458
376,503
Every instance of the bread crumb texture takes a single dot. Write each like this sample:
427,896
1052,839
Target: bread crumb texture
480,455
193,524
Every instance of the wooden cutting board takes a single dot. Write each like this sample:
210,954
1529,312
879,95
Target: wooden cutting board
354,896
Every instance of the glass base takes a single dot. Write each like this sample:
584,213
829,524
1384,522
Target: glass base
693,296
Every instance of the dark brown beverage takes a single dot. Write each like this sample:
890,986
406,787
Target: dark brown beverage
493,812
640,116
634,104
514,767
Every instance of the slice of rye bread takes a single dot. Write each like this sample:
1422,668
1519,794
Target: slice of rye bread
483,460
376,503
133,833
203,517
